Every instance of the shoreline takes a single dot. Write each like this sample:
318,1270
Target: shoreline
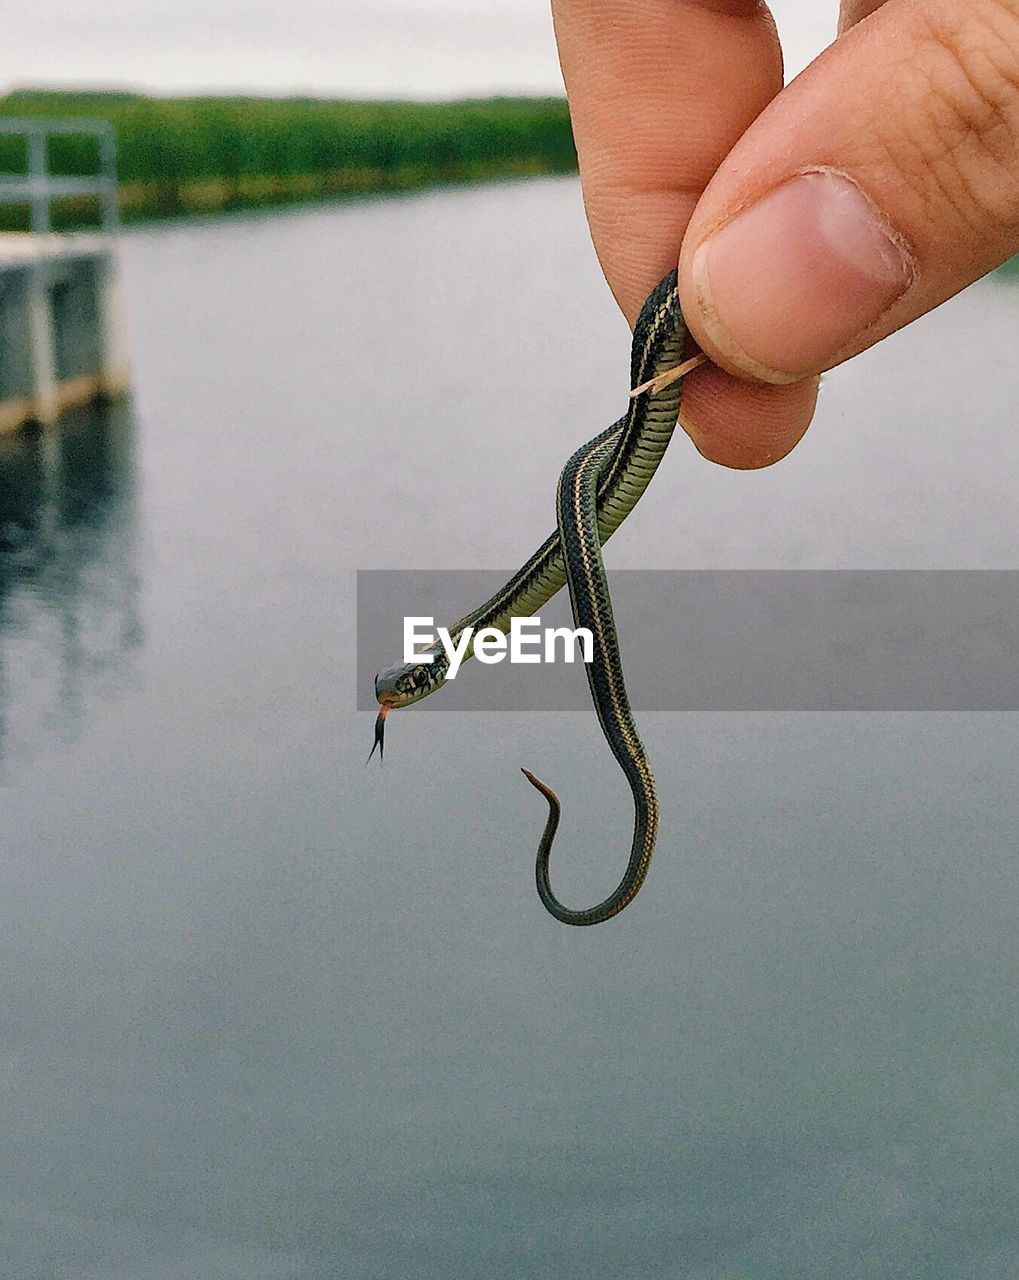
203,156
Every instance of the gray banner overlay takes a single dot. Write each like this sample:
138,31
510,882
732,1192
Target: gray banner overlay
755,640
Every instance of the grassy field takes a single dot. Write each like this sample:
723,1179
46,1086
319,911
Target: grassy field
201,155
180,156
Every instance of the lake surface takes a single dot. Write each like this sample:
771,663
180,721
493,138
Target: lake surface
268,1015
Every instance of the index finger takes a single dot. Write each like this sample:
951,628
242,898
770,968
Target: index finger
660,91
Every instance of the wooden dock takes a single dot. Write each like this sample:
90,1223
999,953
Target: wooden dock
60,335
61,338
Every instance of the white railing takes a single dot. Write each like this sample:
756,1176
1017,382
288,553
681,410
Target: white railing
38,188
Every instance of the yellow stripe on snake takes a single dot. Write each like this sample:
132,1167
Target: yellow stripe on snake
598,488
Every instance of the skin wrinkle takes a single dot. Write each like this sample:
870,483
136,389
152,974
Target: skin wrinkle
627,155
957,113
932,149
642,177
974,122
732,8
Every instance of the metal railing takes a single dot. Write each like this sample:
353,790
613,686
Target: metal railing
38,188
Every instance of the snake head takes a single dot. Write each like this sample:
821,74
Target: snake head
398,687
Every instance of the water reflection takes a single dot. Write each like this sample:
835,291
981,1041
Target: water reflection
69,616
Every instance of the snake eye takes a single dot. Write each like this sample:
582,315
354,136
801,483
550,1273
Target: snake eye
413,680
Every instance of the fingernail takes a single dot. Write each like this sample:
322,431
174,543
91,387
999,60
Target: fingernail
792,281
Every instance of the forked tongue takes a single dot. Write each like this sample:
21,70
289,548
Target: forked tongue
380,733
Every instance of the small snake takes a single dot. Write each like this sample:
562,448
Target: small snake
598,488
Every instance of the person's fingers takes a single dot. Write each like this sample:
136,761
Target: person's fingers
878,184
659,92
744,424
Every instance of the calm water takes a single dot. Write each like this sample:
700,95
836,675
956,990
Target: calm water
267,1015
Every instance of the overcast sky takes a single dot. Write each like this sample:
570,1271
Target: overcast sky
337,48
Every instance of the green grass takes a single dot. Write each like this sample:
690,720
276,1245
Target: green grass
179,156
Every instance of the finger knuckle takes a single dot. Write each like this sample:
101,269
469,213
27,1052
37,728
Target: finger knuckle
965,134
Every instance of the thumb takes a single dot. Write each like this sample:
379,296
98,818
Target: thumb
879,183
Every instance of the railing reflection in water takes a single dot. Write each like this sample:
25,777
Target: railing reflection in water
70,622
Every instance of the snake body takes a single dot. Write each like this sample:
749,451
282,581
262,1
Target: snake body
598,488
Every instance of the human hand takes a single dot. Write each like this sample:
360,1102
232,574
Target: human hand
815,219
